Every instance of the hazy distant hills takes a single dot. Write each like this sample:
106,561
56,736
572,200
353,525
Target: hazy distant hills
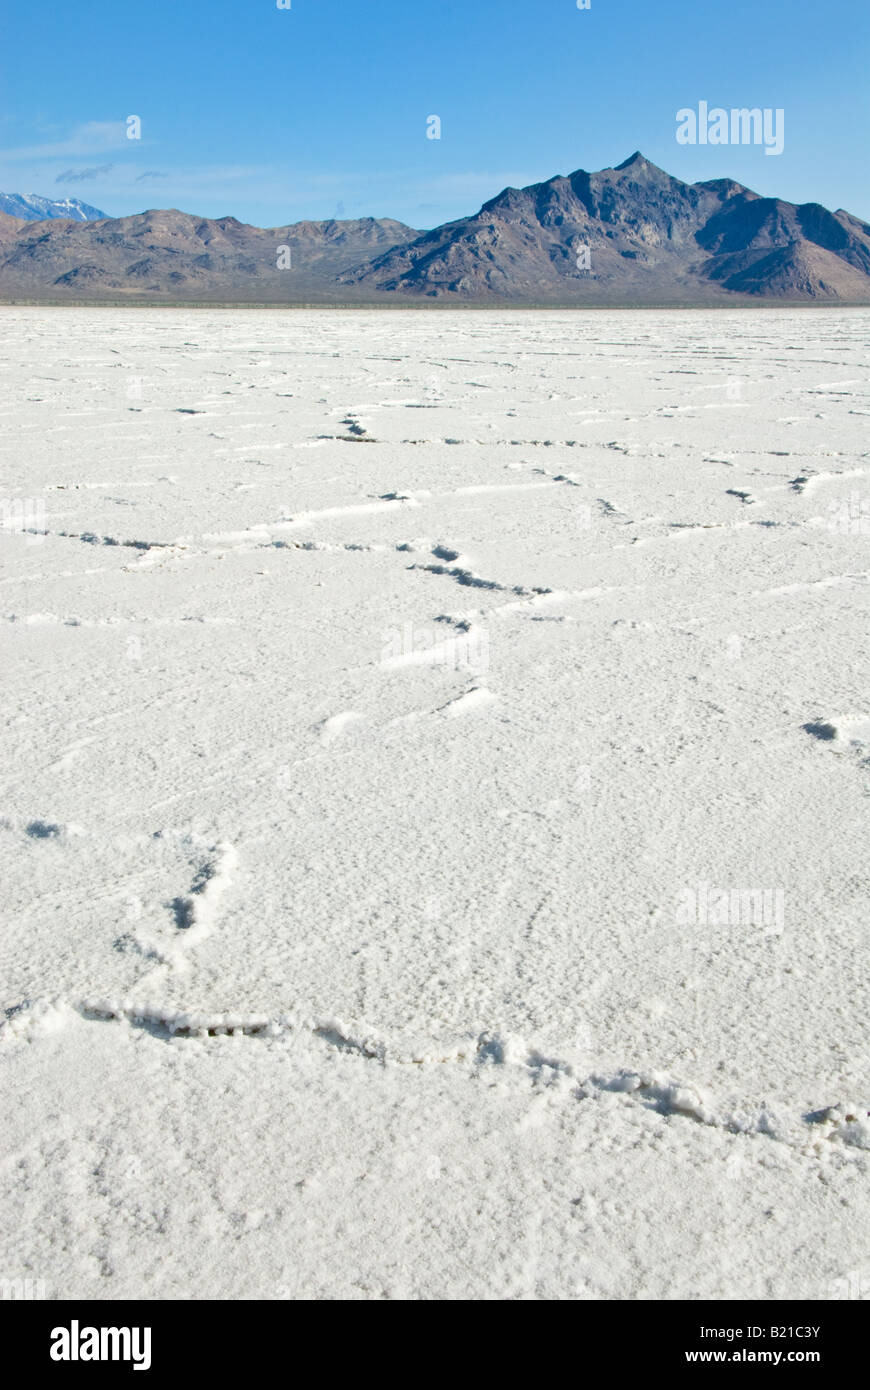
629,235
171,255
33,208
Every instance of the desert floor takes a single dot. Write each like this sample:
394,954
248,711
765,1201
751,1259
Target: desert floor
436,752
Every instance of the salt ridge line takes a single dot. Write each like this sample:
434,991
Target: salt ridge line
803,482
258,535
392,503
461,573
70,620
809,479
306,518
846,1125
196,911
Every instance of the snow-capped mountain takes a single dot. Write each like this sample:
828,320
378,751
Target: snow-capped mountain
34,208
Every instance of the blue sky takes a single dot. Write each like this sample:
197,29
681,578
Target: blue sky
274,115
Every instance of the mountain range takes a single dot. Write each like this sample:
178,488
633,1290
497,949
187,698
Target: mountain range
627,235
31,207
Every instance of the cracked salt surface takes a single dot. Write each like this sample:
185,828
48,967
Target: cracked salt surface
333,970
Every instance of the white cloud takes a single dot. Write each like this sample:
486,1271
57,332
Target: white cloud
91,138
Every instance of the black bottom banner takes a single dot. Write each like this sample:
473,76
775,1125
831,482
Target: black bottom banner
207,1338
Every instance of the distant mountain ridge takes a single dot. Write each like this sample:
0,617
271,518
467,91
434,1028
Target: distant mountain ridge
633,234
34,208
167,254
645,235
